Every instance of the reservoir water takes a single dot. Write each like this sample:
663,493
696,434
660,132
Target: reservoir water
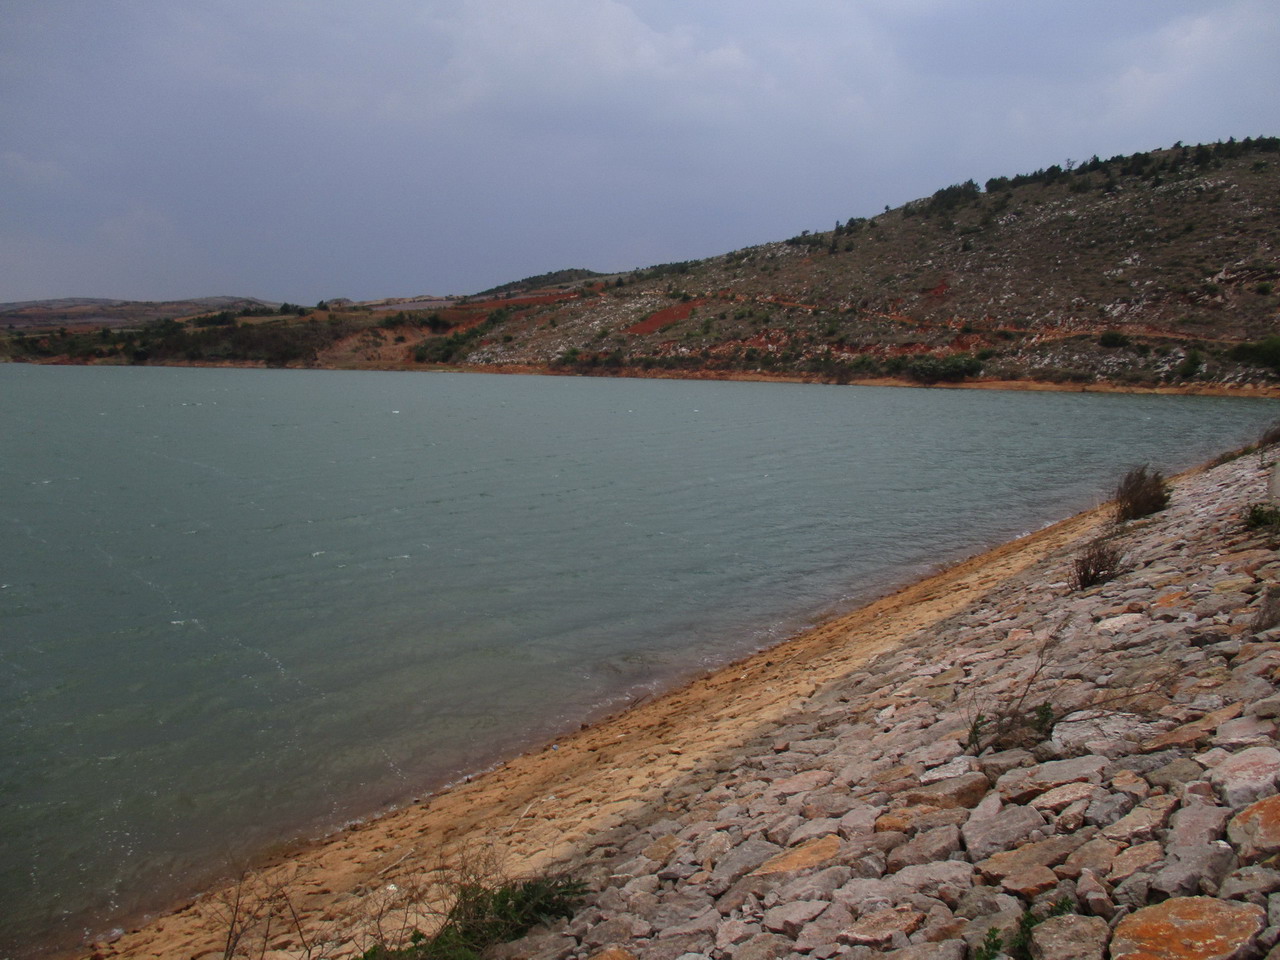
240,606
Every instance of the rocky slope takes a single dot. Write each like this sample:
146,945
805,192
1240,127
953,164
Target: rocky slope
1153,269
1108,755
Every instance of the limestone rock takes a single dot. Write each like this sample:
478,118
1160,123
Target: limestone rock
1000,832
1189,928
1023,784
1255,830
963,791
811,854
1070,938
790,918
1246,776
880,928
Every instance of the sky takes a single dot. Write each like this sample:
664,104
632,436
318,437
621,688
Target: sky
308,149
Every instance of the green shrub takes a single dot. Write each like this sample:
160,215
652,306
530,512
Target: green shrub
1262,516
483,915
1141,492
1113,338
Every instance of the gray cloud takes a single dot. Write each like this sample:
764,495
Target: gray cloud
314,148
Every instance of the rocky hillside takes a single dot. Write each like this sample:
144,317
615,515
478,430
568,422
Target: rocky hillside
1150,269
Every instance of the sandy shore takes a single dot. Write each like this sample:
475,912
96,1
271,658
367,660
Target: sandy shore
542,810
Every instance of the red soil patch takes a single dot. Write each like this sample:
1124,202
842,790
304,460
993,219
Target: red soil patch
664,318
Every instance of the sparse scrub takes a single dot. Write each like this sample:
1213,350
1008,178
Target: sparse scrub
1142,492
1262,516
1097,563
449,912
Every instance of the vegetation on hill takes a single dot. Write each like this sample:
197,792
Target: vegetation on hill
1143,270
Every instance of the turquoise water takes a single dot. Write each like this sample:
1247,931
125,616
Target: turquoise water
240,606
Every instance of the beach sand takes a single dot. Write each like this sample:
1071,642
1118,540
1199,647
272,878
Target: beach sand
544,809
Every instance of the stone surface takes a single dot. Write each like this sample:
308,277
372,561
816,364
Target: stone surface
1023,784
1255,830
1070,938
803,857
990,835
1189,928
1246,776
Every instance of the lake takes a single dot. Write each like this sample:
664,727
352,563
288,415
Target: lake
241,606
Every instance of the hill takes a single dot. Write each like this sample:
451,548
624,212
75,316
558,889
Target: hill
1152,269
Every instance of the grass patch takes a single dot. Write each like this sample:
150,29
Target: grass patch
484,915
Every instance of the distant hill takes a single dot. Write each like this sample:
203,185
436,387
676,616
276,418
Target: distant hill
78,311
541,282
1154,269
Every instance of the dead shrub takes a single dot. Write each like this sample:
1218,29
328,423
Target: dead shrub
1098,562
1142,492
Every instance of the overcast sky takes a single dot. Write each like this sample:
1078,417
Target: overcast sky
305,149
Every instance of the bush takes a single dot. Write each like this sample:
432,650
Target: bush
1262,516
1113,338
1097,563
484,915
1142,492
1270,435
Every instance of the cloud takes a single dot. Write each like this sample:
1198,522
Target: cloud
317,147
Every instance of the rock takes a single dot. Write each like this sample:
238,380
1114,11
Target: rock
615,930
1097,855
963,791
1175,774
825,930
942,950
1080,731
1196,824
1029,882
767,946
1132,860
1255,830
1253,884
1141,823
705,923
946,880
958,767
1070,938
740,860
1197,868
1025,783
936,844
880,928
790,918
1106,809
1246,776
997,764
1188,928
1045,853
1000,832
1244,732
1192,733
817,886
813,830
811,854
800,783
1093,894
1059,798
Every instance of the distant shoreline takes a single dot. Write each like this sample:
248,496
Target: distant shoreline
1249,391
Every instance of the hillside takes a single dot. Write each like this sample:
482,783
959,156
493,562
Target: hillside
1151,269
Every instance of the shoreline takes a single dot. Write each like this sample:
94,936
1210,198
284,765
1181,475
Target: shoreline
545,808
1247,391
